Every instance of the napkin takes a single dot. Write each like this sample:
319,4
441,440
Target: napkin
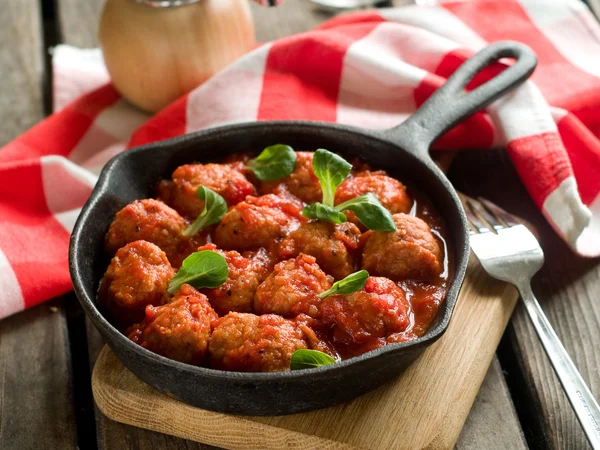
371,69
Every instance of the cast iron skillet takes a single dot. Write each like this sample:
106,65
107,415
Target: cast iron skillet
402,151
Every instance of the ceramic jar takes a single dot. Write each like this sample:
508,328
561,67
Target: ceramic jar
156,51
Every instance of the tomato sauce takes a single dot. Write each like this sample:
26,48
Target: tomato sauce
279,262
425,298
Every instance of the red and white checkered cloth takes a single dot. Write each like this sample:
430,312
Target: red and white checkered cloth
371,69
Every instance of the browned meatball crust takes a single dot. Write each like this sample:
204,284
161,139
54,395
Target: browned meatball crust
390,192
178,330
410,252
302,182
153,221
279,262
259,222
137,276
231,184
249,343
333,245
245,274
239,162
367,316
293,288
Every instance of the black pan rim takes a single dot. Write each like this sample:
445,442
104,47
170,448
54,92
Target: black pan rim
89,305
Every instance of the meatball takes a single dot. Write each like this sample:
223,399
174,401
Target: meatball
221,178
187,246
249,343
259,222
153,221
239,162
365,318
302,182
137,276
390,192
293,288
263,258
178,330
245,274
410,252
333,245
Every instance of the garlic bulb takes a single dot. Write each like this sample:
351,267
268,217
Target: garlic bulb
156,55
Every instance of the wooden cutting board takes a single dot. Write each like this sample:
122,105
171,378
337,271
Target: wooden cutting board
424,408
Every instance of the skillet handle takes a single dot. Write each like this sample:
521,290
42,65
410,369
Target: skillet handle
450,104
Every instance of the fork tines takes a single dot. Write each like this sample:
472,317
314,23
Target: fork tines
484,216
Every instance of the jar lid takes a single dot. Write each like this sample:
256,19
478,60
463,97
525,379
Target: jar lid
174,3
166,3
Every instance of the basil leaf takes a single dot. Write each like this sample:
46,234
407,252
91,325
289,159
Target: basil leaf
370,212
309,359
323,212
205,269
215,207
274,162
352,283
331,170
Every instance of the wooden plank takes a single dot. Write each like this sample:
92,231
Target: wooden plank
35,383
567,288
35,375
78,21
594,6
118,436
425,407
290,18
79,27
21,63
492,423
35,380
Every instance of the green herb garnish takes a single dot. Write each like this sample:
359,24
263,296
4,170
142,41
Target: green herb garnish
352,283
331,170
323,212
274,162
215,207
309,359
370,212
205,269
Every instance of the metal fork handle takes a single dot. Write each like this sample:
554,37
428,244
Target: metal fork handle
583,402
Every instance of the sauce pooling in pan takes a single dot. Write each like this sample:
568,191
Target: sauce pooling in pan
241,265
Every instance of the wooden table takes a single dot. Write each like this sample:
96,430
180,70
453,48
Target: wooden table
46,353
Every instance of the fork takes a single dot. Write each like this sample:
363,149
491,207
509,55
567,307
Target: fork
508,251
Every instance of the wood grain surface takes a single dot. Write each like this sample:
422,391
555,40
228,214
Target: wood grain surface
424,408
35,377
78,23
21,63
567,288
492,423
